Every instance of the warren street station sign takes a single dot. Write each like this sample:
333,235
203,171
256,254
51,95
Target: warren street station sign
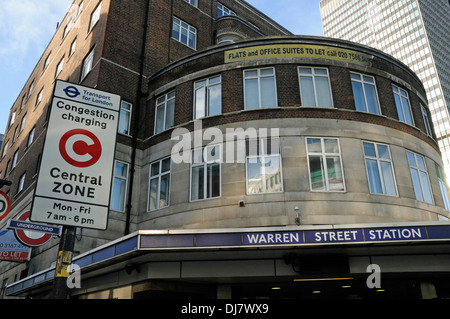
74,181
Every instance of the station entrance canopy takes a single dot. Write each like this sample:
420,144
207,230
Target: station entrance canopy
179,245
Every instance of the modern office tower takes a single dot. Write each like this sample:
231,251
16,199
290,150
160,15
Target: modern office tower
249,163
414,31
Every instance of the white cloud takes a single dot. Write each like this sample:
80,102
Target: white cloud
27,25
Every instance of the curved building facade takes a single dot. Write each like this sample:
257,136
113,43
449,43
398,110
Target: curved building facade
293,130
250,163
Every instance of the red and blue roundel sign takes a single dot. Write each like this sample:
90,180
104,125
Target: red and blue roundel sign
5,205
31,238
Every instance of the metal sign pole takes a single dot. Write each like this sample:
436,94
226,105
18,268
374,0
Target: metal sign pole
63,263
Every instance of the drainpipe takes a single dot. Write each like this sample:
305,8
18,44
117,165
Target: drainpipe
139,96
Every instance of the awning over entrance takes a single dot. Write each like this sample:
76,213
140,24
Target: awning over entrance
344,248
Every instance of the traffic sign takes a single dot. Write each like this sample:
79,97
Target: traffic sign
31,238
75,176
5,205
80,148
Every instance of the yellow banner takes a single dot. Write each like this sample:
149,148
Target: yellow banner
295,51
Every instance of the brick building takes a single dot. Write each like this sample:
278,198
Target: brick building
333,164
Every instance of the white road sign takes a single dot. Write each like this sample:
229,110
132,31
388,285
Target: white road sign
75,175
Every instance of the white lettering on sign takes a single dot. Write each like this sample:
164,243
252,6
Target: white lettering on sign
386,234
340,235
277,238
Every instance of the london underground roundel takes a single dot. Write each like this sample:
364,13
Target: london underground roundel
31,238
5,205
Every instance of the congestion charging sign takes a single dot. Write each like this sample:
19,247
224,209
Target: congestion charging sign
75,175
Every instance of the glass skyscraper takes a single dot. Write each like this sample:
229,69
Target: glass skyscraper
417,32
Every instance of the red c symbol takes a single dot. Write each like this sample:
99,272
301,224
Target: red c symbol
80,148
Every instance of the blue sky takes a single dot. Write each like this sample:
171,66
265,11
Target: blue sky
26,27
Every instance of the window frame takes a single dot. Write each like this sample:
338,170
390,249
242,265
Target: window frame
95,16
190,30
39,97
363,83
207,101
223,10
324,155
426,121
443,186
378,159
129,112
123,178
420,170
15,159
21,183
88,65
401,106
193,3
30,138
261,156
22,123
314,76
205,164
259,77
159,177
167,99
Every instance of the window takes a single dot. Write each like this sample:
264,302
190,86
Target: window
419,177
159,185
379,168
263,160
87,64
224,11
315,88
80,8
443,187
207,97
365,93
193,2
165,112
95,17
22,123
5,149
426,121
47,62
67,28
15,157
325,165
403,106
6,168
39,97
22,104
31,136
13,118
125,118
21,183
205,173
260,89
119,187
15,134
30,89
59,67
73,47
184,33
228,38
